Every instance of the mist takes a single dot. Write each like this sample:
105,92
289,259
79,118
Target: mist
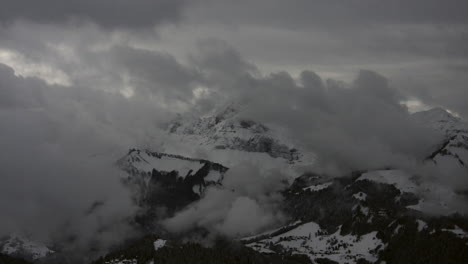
248,202
60,145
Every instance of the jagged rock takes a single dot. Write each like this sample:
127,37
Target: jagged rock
229,130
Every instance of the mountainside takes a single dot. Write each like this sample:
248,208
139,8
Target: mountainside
7,259
380,216
227,137
364,218
146,169
227,130
454,150
164,183
383,216
152,249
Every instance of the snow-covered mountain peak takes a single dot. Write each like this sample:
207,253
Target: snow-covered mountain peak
453,151
229,129
441,120
437,113
228,111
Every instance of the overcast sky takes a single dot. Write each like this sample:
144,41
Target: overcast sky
419,45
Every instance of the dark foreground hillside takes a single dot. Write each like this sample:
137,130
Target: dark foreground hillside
143,251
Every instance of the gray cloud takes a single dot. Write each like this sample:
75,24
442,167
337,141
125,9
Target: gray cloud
18,92
107,13
60,145
155,72
420,43
247,203
358,125
303,13
417,44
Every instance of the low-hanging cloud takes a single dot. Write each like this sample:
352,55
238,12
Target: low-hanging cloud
248,202
59,145
351,126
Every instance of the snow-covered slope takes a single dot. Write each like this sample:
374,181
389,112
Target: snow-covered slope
453,151
139,165
441,120
144,161
311,240
227,137
368,217
227,130
433,198
19,246
166,180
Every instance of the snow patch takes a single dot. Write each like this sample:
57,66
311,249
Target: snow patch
214,176
198,189
457,231
122,261
397,230
421,225
360,196
311,240
318,187
159,243
400,179
145,162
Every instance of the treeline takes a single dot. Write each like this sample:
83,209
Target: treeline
5,259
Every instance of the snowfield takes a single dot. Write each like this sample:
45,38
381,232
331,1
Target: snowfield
434,197
159,243
318,187
400,179
311,240
145,161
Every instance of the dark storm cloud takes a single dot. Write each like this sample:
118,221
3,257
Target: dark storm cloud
107,13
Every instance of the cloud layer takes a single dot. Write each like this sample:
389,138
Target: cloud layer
248,203
111,14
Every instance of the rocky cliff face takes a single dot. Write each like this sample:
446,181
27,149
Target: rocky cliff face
227,129
165,183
